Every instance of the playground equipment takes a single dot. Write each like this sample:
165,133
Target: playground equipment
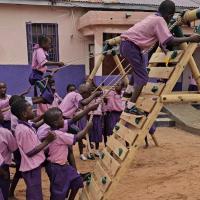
131,131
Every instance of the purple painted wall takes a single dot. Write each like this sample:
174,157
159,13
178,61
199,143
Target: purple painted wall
16,77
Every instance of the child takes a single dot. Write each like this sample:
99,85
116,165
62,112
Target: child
114,106
96,132
31,149
140,38
74,101
7,146
71,88
4,105
39,67
42,108
63,177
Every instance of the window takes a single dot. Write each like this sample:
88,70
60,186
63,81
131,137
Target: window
34,30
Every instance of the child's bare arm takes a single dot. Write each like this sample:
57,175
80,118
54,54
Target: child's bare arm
51,137
86,101
83,133
49,63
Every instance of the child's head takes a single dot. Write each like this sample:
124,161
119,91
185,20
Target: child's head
44,42
3,89
52,84
167,9
85,90
71,88
1,117
22,110
118,88
14,99
54,118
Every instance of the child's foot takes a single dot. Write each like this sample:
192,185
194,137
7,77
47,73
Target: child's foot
134,110
90,156
86,176
98,154
82,157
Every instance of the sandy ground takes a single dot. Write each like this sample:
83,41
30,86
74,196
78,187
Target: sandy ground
170,172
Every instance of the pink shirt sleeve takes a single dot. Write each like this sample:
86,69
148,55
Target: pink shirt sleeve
66,138
11,141
77,100
162,31
41,57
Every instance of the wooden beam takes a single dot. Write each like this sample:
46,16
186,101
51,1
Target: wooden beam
178,98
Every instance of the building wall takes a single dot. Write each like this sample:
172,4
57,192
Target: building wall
13,45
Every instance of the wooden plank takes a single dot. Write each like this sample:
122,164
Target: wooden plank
102,178
146,102
153,88
162,57
118,149
135,120
93,190
160,72
125,133
84,195
110,163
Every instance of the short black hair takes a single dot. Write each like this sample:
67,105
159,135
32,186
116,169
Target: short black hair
42,39
167,7
18,107
15,98
69,86
51,115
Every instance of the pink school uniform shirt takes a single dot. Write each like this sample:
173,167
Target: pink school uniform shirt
114,102
150,30
7,145
44,129
1,160
70,104
42,108
58,149
27,140
39,59
99,110
4,103
192,80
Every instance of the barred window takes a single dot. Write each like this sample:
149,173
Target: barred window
34,30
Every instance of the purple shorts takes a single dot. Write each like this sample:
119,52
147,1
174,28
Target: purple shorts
63,178
137,60
33,184
46,93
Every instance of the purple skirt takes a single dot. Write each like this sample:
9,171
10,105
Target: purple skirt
96,132
62,179
110,120
45,93
5,183
138,61
82,123
33,184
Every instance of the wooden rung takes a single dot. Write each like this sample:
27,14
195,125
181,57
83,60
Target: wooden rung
102,178
93,190
135,120
162,57
110,163
125,133
153,88
160,72
118,149
84,195
146,102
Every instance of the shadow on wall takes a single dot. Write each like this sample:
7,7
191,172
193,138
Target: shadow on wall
16,77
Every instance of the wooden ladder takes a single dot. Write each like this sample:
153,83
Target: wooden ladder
131,129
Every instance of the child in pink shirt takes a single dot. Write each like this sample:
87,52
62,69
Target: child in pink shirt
7,146
141,37
4,105
39,68
64,179
31,149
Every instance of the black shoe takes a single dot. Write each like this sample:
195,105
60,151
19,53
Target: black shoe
90,156
127,95
134,110
86,176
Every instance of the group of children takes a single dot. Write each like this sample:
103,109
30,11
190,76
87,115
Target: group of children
45,138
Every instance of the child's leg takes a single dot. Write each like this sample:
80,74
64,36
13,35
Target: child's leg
5,182
97,145
14,182
33,184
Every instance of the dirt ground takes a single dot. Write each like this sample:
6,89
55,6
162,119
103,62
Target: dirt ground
170,172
